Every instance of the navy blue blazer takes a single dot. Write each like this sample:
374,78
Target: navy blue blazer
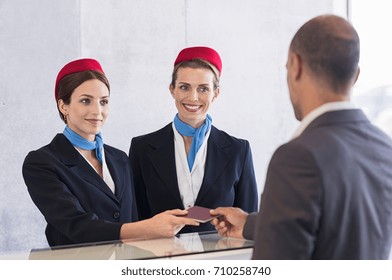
77,204
229,178
328,193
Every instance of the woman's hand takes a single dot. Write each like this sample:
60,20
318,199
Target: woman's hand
170,222
165,224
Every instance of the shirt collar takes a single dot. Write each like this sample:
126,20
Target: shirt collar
327,107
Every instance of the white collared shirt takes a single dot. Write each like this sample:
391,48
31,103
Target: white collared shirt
189,183
105,170
327,107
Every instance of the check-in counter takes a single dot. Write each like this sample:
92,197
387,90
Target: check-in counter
207,245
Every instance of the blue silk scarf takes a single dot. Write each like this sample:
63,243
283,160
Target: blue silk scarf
80,142
197,134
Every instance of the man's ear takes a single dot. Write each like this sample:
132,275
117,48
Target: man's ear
356,75
296,65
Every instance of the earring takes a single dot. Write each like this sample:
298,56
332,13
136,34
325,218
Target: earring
65,118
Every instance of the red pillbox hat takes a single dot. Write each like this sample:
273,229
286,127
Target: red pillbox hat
75,66
204,53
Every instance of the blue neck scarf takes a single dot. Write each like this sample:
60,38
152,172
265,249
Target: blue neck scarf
80,142
197,134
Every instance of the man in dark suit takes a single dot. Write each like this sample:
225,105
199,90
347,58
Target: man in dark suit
328,191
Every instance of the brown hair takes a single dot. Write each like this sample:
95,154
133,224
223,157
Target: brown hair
195,63
69,83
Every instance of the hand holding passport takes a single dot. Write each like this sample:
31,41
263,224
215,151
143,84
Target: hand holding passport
200,214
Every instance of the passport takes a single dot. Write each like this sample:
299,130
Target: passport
200,214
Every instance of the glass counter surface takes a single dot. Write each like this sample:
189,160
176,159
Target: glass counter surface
203,245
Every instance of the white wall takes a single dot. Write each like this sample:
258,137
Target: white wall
137,41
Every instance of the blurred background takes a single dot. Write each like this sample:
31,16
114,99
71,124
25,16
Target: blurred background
373,90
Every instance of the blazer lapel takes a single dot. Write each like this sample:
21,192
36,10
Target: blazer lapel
118,171
71,157
163,160
216,161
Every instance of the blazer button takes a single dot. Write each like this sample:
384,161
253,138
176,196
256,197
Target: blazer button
116,215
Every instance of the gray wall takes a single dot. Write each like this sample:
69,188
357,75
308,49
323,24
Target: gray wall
137,41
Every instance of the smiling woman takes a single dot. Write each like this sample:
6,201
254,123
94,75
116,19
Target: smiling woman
82,186
88,110
189,162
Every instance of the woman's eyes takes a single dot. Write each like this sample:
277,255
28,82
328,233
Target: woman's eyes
87,101
199,89
204,89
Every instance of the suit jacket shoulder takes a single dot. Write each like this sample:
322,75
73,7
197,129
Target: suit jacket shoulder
155,138
227,139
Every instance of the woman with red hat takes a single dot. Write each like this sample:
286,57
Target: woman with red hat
189,162
82,186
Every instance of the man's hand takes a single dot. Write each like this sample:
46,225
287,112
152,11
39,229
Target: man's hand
231,222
